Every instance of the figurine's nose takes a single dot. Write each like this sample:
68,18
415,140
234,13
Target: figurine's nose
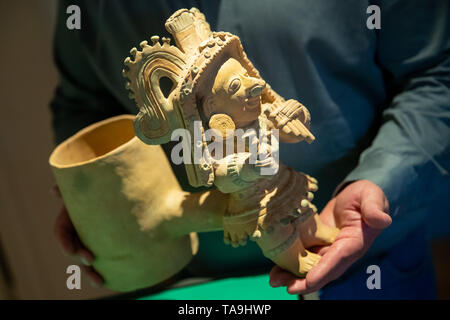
257,89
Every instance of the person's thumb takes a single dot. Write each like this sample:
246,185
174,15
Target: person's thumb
374,208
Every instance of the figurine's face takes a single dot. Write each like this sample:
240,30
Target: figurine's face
236,94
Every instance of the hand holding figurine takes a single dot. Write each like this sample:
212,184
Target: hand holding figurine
359,211
214,86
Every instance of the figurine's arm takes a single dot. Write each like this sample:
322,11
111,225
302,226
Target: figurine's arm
232,174
291,118
235,172
195,212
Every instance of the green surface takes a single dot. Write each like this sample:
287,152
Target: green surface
252,288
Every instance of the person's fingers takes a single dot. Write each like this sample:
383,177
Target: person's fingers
65,232
280,277
86,257
298,286
327,214
71,244
95,278
320,250
374,206
338,258
68,238
56,192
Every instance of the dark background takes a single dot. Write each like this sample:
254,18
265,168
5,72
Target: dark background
32,265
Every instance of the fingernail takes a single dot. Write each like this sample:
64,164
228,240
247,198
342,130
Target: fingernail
291,292
66,254
85,262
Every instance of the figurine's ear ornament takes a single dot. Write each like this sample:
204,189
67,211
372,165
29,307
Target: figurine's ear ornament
223,124
157,117
191,66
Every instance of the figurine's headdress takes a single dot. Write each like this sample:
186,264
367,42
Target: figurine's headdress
197,55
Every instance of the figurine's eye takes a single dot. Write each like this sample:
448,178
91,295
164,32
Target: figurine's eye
234,85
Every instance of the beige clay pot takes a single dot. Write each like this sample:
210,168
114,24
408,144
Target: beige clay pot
127,205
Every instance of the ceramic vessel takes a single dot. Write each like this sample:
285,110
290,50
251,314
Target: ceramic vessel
127,205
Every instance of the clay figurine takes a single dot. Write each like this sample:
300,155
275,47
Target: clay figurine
216,92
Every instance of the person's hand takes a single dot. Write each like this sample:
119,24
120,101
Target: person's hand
72,246
360,212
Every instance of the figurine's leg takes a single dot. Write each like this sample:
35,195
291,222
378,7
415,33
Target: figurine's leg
314,232
308,261
296,259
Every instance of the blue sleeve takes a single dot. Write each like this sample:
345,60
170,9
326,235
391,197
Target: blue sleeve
410,156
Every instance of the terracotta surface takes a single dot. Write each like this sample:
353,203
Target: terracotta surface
215,85
127,205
